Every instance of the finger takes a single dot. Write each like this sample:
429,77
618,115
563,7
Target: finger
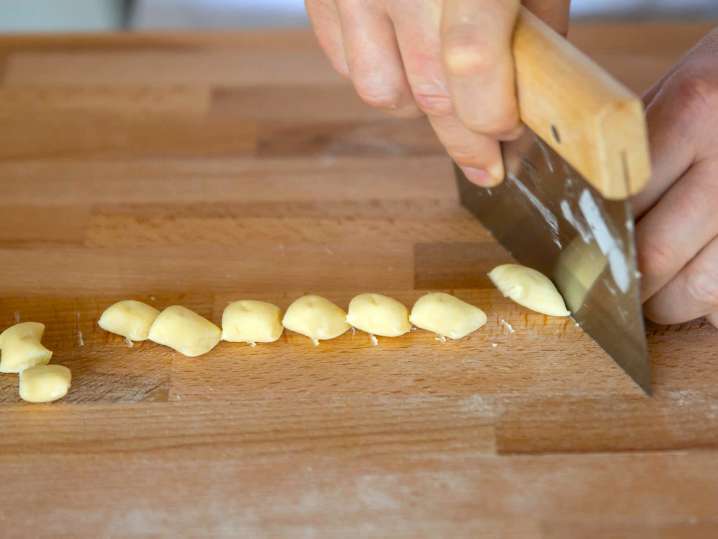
373,56
692,294
476,50
708,43
417,33
554,13
676,119
477,155
420,45
672,233
325,20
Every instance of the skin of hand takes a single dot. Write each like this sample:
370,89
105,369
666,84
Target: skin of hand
677,230
448,59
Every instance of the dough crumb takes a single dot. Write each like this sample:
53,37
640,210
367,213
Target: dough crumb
494,345
508,326
374,340
129,343
252,344
440,338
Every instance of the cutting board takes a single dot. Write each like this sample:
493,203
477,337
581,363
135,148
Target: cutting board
252,171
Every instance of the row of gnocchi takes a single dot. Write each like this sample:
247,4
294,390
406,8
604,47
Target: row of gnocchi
252,322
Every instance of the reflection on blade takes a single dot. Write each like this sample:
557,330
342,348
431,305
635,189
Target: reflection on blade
551,219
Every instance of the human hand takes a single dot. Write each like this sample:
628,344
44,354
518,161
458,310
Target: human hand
448,59
677,234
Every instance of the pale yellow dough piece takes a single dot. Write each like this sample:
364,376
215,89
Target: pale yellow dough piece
129,318
251,321
185,331
315,317
20,347
529,288
44,383
446,315
378,315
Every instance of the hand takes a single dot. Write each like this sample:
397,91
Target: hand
448,59
677,234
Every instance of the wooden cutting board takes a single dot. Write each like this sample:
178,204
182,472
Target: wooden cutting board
202,168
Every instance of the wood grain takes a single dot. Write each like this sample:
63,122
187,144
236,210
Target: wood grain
201,168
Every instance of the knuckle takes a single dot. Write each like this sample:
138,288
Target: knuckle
696,92
466,52
500,125
656,259
434,104
464,156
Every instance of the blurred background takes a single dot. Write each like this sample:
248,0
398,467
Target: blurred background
89,15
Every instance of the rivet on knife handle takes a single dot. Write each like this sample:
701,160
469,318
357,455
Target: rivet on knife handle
591,120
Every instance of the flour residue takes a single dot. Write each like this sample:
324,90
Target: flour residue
607,241
508,326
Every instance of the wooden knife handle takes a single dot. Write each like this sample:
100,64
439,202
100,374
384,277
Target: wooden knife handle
593,121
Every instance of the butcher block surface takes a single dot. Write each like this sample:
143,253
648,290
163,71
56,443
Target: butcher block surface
197,169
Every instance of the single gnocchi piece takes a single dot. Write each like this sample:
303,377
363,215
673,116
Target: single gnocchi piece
529,288
251,321
129,318
378,315
20,347
185,331
44,383
315,317
446,315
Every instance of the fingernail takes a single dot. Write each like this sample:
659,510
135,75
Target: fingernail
479,176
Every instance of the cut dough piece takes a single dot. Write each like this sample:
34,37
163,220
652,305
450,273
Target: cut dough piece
184,331
44,383
315,317
378,315
129,318
251,321
529,288
446,315
20,347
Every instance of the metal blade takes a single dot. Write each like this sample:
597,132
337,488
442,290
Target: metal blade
549,218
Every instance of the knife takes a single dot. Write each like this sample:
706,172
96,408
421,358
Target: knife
563,206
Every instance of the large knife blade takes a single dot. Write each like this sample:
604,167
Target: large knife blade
562,208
